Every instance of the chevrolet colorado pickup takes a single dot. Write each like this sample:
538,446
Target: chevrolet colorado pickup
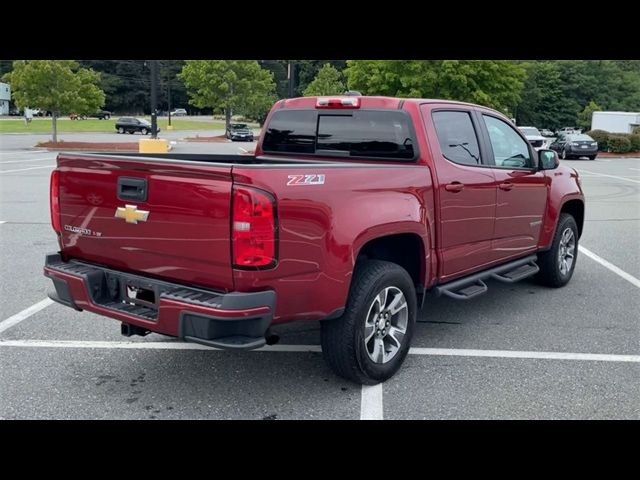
352,211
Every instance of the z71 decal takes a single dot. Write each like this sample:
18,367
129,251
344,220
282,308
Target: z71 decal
313,179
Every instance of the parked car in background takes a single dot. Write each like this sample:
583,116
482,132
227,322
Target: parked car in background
239,131
534,137
102,115
36,112
133,125
575,145
179,112
568,130
547,133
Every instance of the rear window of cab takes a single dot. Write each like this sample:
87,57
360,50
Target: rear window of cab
382,134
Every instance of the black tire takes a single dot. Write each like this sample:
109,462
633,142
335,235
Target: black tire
342,339
144,131
131,131
564,155
550,273
120,130
106,117
592,157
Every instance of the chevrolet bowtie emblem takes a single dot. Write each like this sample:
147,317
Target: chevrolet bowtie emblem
131,214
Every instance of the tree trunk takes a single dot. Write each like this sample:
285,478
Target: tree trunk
54,120
227,117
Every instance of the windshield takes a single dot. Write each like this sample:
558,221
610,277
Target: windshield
530,131
238,126
142,120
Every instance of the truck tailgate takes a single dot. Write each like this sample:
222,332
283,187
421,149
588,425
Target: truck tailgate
178,229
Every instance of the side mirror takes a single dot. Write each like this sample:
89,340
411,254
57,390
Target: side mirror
548,159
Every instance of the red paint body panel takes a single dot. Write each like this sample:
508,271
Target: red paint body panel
186,237
321,228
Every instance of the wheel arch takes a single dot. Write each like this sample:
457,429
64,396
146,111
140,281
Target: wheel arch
407,249
575,208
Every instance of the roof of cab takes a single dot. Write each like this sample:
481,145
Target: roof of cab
369,102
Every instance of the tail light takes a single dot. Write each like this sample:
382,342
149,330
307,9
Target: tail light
253,229
349,102
54,197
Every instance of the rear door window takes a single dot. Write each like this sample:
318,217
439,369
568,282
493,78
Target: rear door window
363,133
457,137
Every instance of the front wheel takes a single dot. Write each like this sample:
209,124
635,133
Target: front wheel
558,263
592,157
564,154
369,343
144,131
120,130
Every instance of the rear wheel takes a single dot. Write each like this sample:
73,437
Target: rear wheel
564,155
558,263
107,117
369,343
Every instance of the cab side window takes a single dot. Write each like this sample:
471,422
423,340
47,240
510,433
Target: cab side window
457,137
509,149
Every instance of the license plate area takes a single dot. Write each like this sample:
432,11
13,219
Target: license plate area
139,293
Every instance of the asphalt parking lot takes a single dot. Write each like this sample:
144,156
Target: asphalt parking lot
520,351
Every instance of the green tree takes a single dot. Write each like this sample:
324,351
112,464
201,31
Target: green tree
584,117
58,86
493,83
229,86
543,100
328,81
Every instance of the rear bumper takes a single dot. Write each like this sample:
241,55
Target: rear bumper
234,320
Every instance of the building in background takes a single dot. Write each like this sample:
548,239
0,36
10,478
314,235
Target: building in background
615,122
5,98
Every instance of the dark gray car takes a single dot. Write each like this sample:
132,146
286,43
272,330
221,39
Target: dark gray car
574,145
239,131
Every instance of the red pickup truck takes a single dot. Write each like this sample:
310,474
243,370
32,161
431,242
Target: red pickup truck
351,212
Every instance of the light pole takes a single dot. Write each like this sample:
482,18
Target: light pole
154,99
169,100
291,72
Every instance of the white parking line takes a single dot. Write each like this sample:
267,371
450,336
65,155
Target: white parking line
25,169
13,153
175,345
2,221
636,169
618,271
27,161
26,313
610,176
168,345
371,407
459,352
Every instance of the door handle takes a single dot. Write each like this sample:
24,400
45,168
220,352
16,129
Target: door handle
505,186
454,187
132,188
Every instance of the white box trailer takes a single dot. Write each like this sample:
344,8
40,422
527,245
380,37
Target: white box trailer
615,122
